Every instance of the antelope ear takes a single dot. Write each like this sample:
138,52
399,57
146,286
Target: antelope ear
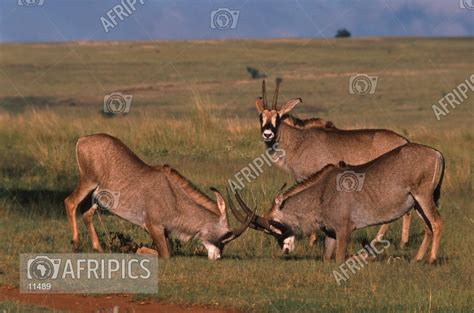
259,105
287,107
220,203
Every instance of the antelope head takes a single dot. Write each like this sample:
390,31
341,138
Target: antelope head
270,119
270,223
221,234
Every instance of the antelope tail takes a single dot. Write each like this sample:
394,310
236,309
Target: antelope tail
437,191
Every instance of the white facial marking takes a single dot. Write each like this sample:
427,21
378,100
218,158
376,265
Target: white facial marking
274,120
276,230
289,244
269,117
213,253
267,134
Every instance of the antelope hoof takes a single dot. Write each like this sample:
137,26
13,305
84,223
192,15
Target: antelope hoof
75,245
415,260
98,249
403,245
432,261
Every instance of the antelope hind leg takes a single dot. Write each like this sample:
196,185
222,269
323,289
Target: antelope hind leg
434,223
426,238
87,217
71,203
424,244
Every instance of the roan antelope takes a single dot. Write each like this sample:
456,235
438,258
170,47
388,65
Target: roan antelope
156,198
406,177
312,144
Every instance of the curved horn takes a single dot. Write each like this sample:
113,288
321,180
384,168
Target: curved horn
275,96
235,233
238,215
258,222
264,94
242,204
234,211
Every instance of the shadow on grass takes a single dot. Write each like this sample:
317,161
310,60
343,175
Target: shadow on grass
38,201
24,196
42,201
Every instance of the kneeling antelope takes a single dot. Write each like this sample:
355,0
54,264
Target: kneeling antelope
409,176
157,198
311,144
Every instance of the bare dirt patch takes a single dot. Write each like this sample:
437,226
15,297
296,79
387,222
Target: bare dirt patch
83,303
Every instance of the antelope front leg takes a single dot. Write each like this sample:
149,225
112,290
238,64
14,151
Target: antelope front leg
383,229
159,238
329,247
342,238
405,230
312,239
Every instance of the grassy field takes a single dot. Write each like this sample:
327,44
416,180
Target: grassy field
193,108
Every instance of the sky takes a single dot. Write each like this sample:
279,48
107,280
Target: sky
98,20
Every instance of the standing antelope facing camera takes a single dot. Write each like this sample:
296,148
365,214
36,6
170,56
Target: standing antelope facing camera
409,176
312,144
157,199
